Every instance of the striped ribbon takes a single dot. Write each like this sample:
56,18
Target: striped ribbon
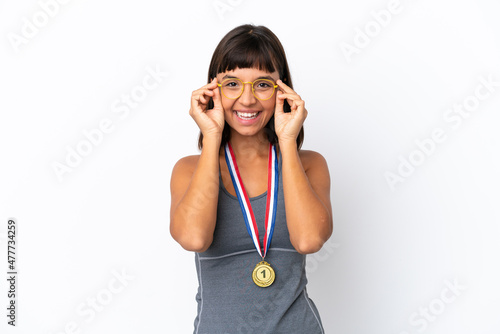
246,208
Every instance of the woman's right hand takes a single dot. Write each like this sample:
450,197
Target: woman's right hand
210,122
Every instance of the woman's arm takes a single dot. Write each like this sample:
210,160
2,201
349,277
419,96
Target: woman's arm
194,196
307,198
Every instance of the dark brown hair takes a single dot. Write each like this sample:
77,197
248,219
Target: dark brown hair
249,46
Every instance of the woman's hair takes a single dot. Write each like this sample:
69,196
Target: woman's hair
249,46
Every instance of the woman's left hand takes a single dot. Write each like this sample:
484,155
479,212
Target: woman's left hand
287,125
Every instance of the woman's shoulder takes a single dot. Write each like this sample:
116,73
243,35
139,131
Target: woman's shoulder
187,163
182,172
311,159
309,154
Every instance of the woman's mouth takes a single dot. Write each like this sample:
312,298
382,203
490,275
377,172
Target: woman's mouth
247,115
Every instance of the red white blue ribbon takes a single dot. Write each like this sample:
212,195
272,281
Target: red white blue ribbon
246,208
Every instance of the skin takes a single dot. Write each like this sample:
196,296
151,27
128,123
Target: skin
195,179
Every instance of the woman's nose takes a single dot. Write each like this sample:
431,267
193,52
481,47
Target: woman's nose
247,96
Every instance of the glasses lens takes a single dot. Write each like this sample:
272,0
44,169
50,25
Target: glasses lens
263,89
231,88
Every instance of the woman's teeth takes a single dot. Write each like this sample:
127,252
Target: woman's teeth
247,115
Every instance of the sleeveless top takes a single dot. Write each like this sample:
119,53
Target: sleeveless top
229,302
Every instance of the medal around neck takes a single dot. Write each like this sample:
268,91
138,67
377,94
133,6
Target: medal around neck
263,275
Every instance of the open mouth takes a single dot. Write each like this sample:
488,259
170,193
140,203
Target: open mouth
245,115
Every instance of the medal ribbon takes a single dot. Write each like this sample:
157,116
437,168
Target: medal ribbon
246,208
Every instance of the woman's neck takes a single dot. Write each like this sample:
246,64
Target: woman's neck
248,148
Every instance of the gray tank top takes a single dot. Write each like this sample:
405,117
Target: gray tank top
229,302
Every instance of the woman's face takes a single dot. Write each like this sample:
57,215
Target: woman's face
239,113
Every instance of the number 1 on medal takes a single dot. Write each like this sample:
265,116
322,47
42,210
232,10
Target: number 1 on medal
263,275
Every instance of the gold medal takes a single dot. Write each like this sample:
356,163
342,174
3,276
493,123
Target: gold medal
263,274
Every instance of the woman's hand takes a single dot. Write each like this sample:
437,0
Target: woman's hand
210,122
287,125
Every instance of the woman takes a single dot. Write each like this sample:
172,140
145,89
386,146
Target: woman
253,204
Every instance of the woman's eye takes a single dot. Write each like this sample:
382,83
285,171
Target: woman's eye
231,84
263,85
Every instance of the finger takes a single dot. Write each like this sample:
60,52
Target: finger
280,101
195,98
298,104
294,100
199,103
217,98
208,92
201,96
210,85
291,97
203,91
284,87
213,83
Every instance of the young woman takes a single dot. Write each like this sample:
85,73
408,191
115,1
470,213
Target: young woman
253,204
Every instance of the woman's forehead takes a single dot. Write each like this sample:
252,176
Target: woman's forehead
252,72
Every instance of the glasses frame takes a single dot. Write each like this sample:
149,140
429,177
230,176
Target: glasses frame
253,89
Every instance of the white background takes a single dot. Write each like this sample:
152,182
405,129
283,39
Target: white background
394,250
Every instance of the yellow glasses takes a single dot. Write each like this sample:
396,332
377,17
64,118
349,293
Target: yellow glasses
262,89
